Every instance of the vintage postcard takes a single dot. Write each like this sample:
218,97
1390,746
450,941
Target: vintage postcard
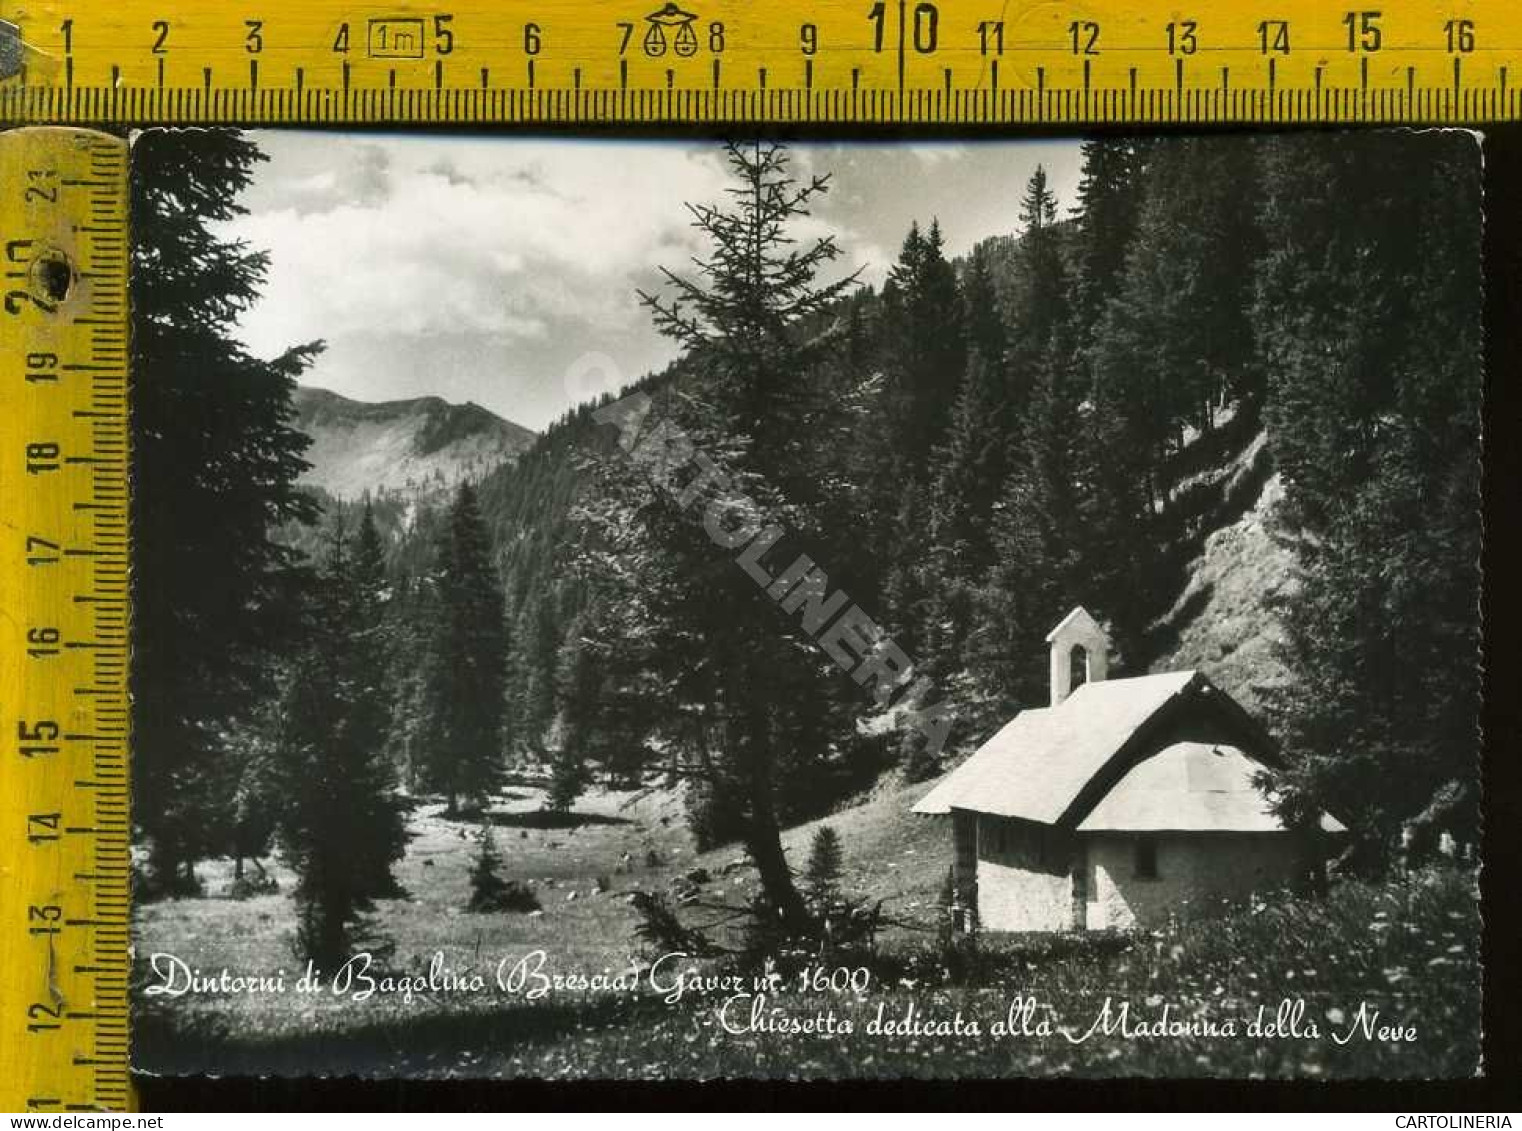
692,610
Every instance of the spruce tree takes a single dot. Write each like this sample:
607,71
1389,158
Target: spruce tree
1033,573
750,392
1042,301
373,635
1041,277
340,826
1108,198
825,866
581,707
370,559
926,346
1038,570
214,466
1176,340
465,662
982,312
1369,332
970,476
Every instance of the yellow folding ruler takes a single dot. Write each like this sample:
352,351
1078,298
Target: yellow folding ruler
63,333
644,61
63,620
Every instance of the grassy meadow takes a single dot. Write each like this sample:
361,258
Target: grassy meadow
1406,949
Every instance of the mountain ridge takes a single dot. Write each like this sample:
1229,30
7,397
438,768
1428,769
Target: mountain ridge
417,445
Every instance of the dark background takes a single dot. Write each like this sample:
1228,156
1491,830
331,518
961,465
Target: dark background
1498,1090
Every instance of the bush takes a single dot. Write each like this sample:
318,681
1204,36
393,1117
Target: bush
661,932
914,755
247,887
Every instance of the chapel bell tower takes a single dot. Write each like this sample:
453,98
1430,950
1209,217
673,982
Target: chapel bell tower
1080,654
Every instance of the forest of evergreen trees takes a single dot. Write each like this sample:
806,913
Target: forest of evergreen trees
969,451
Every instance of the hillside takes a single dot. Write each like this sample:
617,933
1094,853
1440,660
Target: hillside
1223,622
1220,617
410,446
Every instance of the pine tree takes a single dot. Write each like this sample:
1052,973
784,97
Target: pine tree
926,347
1176,340
982,312
373,643
1369,331
1034,562
339,823
1042,304
370,558
1038,570
968,475
971,470
465,662
1108,199
532,665
486,882
214,467
826,865
580,712
1041,274
751,390
488,890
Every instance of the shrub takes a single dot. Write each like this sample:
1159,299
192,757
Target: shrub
662,932
247,887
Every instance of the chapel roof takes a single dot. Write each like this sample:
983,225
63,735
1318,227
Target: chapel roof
1190,787
1050,765
1036,766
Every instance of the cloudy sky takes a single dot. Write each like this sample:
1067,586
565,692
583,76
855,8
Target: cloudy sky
503,271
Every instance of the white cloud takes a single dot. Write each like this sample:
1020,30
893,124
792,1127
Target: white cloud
482,268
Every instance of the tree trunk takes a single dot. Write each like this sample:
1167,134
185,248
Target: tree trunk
763,841
164,867
763,835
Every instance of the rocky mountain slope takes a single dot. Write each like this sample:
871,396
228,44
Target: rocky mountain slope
412,447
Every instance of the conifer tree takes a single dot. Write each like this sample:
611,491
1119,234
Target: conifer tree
982,311
1108,199
1042,279
825,866
214,466
370,559
339,823
373,633
465,662
489,892
1176,338
1037,570
581,712
1369,332
970,476
926,349
532,665
747,405
1042,306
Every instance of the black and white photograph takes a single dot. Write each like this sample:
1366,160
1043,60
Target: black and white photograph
704,609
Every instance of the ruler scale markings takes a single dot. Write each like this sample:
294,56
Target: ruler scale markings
92,1073
902,61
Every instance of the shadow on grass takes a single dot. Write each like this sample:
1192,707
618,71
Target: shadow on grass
549,819
409,1045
